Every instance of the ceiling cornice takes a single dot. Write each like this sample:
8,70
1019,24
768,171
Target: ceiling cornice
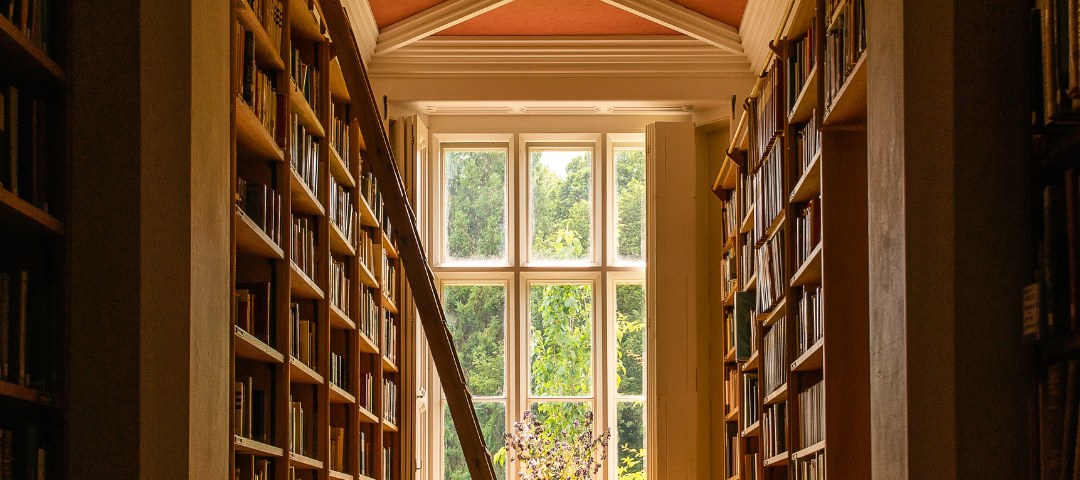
431,21
363,25
761,21
684,20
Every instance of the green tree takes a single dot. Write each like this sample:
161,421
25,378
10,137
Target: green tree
476,316
476,205
561,212
630,204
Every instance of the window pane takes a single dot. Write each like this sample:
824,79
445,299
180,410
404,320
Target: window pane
560,340
560,416
492,417
560,212
476,315
631,438
476,205
630,205
630,337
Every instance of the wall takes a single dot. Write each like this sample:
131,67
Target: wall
149,240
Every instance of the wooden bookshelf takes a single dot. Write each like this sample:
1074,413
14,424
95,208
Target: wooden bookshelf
342,344
34,285
820,144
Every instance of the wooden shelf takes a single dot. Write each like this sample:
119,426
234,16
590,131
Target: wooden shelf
388,366
769,318
303,22
730,355
305,114
774,227
266,53
733,415
367,215
27,394
809,184
837,10
751,283
339,319
389,304
810,271
248,346
303,200
778,460
849,104
252,137
23,60
729,301
366,277
339,475
301,373
777,396
252,240
339,170
338,395
388,245
338,243
388,427
247,445
366,344
748,220
21,212
801,18
366,416
338,90
803,109
811,359
753,430
751,363
730,242
304,463
302,286
812,449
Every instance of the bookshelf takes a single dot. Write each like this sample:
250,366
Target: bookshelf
33,285
793,191
316,284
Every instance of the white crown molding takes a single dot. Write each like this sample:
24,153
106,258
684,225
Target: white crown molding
684,20
431,21
648,55
761,21
364,27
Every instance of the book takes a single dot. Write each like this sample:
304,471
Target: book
745,317
1051,411
1034,320
258,309
5,326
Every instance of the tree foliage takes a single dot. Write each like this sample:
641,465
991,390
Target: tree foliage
476,205
561,211
630,204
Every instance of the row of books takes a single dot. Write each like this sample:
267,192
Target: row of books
747,195
258,87
300,421
810,320
305,156
22,454
810,467
272,17
342,211
801,62
730,272
365,247
365,396
774,357
771,281
302,249
769,187
808,144
369,189
807,230
13,326
749,407
337,449
767,114
364,466
388,462
750,462
252,309
250,467
812,415
1057,399
844,44
339,371
389,276
1054,23
251,415
305,338
28,331
24,145
31,17
369,313
262,205
340,286
731,396
390,401
306,77
747,258
731,219
389,345
340,134
732,449
774,430
744,321
1050,304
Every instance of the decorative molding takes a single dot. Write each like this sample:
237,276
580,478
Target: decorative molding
761,21
549,108
460,110
649,55
363,26
431,21
684,20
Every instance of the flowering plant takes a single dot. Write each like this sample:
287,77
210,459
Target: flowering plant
547,454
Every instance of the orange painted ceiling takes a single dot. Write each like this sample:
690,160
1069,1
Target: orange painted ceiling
557,17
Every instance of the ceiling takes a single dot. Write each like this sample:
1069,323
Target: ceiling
556,17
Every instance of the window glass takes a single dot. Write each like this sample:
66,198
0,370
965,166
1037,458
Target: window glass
492,418
631,440
560,416
630,338
560,208
476,316
629,205
475,205
560,340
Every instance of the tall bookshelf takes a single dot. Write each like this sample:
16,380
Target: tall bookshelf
793,190
315,345
33,285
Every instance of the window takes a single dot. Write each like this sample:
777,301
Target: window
541,265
